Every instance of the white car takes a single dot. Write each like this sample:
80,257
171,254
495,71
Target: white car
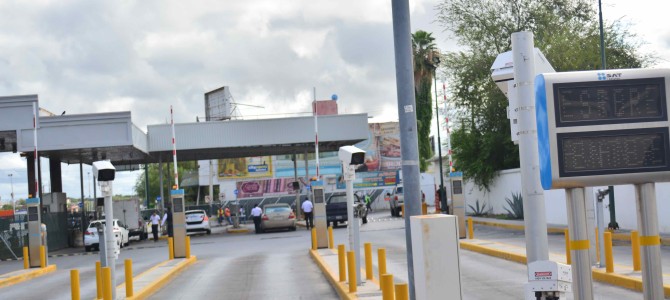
197,220
91,239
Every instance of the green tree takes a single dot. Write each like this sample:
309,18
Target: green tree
190,192
566,31
424,51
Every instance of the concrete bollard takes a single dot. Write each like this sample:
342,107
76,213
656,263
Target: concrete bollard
635,245
381,264
341,261
74,284
128,263
314,244
568,257
188,247
609,259
43,257
351,266
368,261
98,280
170,248
401,291
424,208
387,287
331,243
106,283
471,229
26,258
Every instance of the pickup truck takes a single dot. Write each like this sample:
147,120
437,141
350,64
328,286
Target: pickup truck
397,201
336,209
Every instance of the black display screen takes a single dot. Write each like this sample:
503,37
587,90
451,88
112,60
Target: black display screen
610,102
178,205
613,152
318,196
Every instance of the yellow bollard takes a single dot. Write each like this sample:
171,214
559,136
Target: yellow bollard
568,257
387,287
331,243
341,260
368,261
597,245
401,291
129,277
106,283
609,267
635,244
313,238
74,284
471,229
98,279
402,208
26,258
43,257
424,208
351,266
381,264
170,248
188,246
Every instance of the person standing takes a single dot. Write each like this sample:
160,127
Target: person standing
256,213
155,220
307,208
368,202
167,218
227,214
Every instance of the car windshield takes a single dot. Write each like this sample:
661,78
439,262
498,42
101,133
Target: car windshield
197,212
277,209
338,199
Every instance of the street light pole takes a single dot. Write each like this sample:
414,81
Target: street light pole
443,199
11,182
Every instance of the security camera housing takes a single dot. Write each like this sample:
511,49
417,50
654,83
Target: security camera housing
104,170
350,155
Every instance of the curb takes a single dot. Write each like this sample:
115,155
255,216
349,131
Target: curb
27,276
341,288
598,275
151,288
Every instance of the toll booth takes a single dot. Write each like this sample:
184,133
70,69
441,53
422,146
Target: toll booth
458,201
319,196
34,231
178,223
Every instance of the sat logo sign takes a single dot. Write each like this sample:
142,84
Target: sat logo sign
596,128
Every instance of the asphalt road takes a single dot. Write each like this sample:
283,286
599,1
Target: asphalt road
277,266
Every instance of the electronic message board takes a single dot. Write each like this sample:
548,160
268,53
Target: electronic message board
603,127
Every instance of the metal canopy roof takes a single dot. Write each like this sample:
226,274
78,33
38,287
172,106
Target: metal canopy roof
90,137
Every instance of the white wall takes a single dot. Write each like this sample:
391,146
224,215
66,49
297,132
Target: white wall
509,181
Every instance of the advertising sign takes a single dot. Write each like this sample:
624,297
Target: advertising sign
265,188
249,167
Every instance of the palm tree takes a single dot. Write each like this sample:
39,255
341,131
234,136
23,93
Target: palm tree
424,50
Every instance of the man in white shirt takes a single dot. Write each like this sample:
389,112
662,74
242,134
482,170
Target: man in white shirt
155,220
307,208
256,213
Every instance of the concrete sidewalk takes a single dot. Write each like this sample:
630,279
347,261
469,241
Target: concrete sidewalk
24,274
150,281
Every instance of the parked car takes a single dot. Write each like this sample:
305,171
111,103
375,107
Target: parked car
277,216
397,201
91,239
197,221
336,209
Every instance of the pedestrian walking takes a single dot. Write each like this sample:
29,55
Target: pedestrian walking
307,208
155,220
256,213
220,216
227,214
368,202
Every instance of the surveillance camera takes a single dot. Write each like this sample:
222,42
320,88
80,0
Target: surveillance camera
104,170
350,155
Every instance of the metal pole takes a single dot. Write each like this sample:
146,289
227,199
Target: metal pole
443,200
650,242
174,152
582,283
211,181
11,182
533,197
613,224
352,223
316,135
295,178
160,181
146,186
601,231
83,202
409,144
603,61
110,241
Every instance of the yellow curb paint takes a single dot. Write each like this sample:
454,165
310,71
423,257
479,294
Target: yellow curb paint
494,252
340,288
164,279
37,272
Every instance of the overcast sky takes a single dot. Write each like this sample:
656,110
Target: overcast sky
143,56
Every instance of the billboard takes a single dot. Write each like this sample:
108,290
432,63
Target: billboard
248,167
265,187
382,148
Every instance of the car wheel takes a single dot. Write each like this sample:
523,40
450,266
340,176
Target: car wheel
292,228
88,248
209,231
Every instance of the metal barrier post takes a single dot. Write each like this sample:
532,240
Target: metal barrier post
129,277
471,229
26,258
314,246
106,283
43,260
351,264
635,245
387,287
98,280
368,260
188,246
341,260
331,243
401,291
381,264
609,267
74,284
568,257
170,248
